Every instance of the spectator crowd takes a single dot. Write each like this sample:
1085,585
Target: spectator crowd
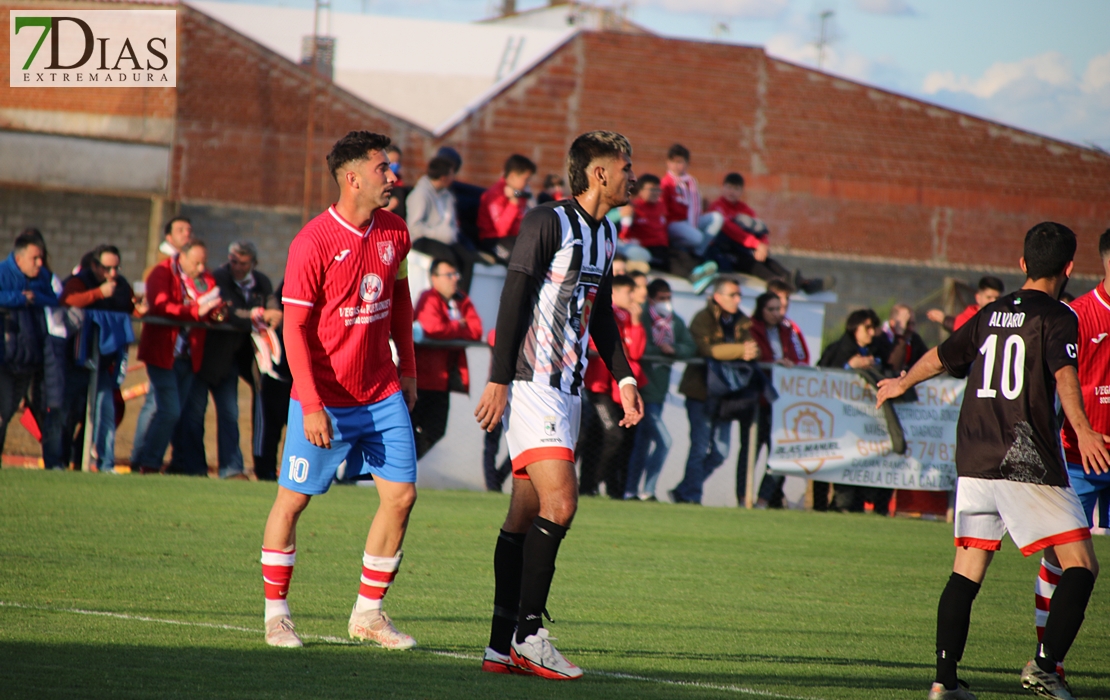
205,329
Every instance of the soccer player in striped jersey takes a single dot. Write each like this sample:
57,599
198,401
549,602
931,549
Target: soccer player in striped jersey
1091,485
346,292
1019,354
557,294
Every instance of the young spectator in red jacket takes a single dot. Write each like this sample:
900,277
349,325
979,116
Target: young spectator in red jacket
445,314
502,208
180,289
687,227
990,288
743,245
779,339
644,220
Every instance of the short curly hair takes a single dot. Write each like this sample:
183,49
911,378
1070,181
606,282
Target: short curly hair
354,146
587,147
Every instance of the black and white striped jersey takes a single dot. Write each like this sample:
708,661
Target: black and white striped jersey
566,255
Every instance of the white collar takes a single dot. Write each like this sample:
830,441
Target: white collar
343,222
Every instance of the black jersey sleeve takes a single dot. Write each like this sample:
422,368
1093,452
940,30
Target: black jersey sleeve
605,334
960,350
1061,339
535,248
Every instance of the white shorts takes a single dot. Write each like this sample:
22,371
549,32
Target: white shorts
540,423
1035,515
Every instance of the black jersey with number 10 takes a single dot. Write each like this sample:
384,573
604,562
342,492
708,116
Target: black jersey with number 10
1010,353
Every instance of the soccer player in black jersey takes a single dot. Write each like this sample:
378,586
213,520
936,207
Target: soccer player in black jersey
1017,353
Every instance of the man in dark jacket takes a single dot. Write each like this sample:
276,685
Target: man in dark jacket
97,286
25,291
228,355
721,332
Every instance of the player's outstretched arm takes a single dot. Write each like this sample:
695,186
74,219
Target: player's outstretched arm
1092,445
927,367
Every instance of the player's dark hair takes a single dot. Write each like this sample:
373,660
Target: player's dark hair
678,151
29,237
623,281
169,224
761,303
734,179
517,163
103,248
433,269
657,285
1049,247
193,243
857,318
352,147
439,167
991,282
778,286
1104,244
587,148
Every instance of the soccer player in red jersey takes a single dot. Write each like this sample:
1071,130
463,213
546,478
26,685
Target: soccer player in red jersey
990,288
1018,355
1091,485
346,293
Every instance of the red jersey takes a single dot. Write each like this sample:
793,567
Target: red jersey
741,222
965,316
1093,310
649,224
497,217
353,284
598,378
682,198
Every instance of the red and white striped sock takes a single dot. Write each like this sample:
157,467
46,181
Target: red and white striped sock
1047,578
377,576
277,571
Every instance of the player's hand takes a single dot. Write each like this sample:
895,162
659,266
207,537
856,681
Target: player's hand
935,315
1092,448
491,406
889,389
317,428
632,404
408,388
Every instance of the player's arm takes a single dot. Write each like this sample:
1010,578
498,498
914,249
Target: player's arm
303,278
540,237
1092,444
954,356
927,367
610,347
400,329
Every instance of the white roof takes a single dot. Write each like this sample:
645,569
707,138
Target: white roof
428,72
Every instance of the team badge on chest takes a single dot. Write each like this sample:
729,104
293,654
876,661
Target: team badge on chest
385,251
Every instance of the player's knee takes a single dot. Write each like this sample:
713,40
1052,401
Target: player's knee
402,500
563,509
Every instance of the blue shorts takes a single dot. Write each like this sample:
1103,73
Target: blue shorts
368,441
1093,491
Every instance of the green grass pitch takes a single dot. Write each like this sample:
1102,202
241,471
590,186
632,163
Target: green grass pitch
652,600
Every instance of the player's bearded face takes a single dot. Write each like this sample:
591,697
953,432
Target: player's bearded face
376,180
619,181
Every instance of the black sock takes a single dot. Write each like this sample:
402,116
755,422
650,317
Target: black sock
1069,604
540,548
953,621
508,561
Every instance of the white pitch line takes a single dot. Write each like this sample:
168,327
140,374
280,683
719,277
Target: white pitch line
448,654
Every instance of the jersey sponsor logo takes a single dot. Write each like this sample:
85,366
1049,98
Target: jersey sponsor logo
385,251
583,321
370,289
342,255
1099,339
1006,319
549,425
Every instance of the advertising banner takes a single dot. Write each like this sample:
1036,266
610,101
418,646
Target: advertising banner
825,426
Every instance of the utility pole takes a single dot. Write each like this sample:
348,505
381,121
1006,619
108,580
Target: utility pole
310,128
823,37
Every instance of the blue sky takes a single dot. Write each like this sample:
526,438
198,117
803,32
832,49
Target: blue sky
1042,65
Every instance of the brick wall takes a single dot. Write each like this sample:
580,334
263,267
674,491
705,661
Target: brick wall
833,166
74,224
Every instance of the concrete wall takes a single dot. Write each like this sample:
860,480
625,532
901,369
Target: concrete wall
73,224
269,229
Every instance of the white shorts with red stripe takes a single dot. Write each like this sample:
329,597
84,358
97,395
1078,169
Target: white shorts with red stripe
1035,515
540,423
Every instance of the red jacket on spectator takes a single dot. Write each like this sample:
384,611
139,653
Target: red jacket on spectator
497,218
598,377
965,316
681,197
794,346
649,224
168,300
730,210
434,314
